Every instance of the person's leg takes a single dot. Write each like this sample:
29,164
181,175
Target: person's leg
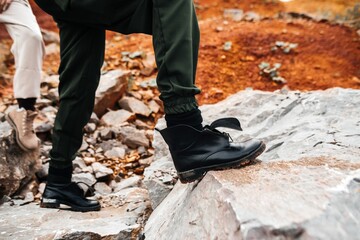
82,53
194,149
28,51
175,31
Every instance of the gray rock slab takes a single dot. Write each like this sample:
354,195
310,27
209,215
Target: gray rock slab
33,222
305,186
260,200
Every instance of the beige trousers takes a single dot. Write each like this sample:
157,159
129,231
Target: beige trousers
28,48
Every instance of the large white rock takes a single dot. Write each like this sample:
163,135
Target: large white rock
307,185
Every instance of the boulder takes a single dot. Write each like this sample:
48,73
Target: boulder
112,86
305,186
17,167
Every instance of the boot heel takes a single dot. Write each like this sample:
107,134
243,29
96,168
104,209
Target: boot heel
49,203
190,176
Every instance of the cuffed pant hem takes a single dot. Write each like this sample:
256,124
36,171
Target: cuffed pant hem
181,105
60,163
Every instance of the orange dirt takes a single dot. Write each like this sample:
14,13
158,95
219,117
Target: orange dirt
327,55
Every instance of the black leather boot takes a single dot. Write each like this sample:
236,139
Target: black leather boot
68,194
195,152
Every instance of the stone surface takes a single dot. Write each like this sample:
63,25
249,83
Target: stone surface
116,152
306,185
102,188
133,137
17,167
100,170
87,178
112,86
114,118
33,222
127,183
134,105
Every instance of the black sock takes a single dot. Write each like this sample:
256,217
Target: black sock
59,175
192,118
27,103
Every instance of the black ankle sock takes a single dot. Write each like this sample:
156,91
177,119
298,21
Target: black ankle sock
192,118
27,103
59,175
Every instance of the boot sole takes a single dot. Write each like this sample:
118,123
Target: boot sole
13,125
199,173
55,203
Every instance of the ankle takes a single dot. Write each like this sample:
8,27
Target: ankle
192,118
27,103
59,176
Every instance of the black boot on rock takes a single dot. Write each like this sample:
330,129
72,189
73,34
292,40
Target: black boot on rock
195,152
69,194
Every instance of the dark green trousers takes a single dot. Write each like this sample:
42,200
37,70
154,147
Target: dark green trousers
82,25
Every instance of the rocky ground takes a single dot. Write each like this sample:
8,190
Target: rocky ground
264,45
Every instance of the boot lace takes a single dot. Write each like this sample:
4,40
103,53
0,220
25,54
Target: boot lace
231,123
28,123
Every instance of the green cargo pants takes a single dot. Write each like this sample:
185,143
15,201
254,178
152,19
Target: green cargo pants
82,24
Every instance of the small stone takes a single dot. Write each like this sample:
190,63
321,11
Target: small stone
79,163
114,118
112,86
133,137
94,119
84,146
90,128
92,141
106,134
154,107
127,183
102,188
236,14
101,171
43,127
134,105
147,72
168,179
50,37
115,152
141,150
137,54
133,65
89,160
147,161
147,94
227,46
87,178
219,29
141,125
88,169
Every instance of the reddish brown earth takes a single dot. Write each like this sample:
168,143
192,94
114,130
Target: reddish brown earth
327,55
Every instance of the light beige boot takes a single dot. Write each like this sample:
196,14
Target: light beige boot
23,123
